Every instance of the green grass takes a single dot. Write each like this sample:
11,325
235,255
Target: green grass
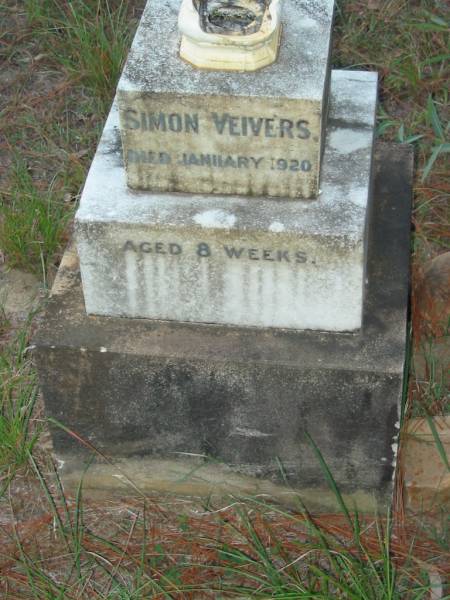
430,393
33,224
408,44
51,123
63,59
251,549
88,39
17,399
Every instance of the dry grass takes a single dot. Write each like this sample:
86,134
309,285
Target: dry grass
167,548
55,93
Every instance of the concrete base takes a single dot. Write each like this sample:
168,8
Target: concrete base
209,408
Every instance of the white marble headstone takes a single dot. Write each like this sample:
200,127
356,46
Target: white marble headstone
243,261
186,129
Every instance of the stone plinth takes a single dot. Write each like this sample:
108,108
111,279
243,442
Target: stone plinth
259,134
206,408
234,260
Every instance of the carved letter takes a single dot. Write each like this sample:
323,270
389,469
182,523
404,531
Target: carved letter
130,120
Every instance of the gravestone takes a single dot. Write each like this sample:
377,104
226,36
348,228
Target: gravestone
218,309
236,260
199,131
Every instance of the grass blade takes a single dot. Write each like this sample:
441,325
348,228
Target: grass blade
437,440
330,480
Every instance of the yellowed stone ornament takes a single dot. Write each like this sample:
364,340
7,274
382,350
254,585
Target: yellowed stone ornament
229,35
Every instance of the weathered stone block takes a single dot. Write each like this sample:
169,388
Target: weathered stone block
258,134
235,260
425,474
203,408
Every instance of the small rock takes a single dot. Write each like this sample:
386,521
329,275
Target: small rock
19,292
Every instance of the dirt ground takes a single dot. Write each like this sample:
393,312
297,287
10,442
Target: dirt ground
50,120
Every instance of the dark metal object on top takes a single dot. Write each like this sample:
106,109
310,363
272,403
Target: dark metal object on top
231,17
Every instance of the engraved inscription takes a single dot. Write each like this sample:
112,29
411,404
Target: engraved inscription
238,146
217,161
232,252
224,124
149,121
172,249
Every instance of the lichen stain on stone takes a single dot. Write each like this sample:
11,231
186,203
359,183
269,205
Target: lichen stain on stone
251,433
67,269
114,143
195,477
215,218
345,142
276,227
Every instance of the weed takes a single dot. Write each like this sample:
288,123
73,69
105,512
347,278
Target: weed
438,443
62,70
251,549
440,146
88,39
37,10
126,550
429,391
18,395
407,43
5,323
34,223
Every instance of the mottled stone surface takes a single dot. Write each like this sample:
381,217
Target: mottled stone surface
235,260
426,475
201,408
432,297
190,130
20,292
